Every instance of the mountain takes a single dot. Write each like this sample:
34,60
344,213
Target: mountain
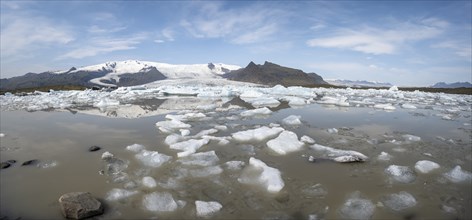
452,85
273,74
119,73
357,83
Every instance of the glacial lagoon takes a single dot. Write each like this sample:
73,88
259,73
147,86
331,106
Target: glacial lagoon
239,153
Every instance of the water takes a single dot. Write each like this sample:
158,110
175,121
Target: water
321,188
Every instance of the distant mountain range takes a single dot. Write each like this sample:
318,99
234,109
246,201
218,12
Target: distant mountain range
133,72
452,85
357,83
273,74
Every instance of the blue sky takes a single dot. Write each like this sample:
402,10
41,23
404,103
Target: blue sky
403,42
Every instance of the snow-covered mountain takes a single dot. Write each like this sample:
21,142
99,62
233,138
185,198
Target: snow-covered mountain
452,85
118,73
357,83
171,71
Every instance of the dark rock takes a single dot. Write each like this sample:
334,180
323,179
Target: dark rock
4,165
80,205
11,161
30,162
94,148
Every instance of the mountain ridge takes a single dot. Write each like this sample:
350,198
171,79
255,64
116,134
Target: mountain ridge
452,85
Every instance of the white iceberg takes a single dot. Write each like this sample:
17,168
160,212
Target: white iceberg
426,166
172,125
285,143
152,158
257,134
292,120
149,182
160,202
255,112
457,175
258,173
307,140
135,147
189,147
200,159
402,174
334,153
206,209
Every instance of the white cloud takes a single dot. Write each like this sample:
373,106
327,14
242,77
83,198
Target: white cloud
25,34
240,26
104,45
166,35
381,40
95,29
460,49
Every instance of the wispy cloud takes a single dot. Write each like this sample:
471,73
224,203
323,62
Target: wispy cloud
95,29
166,35
104,45
372,40
462,49
239,26
26,34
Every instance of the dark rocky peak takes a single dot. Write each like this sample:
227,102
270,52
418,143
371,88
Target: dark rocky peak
72,69
211,66
251,65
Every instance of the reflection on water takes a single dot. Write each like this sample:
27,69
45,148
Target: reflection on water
323,189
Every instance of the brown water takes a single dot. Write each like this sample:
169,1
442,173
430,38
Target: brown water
31,192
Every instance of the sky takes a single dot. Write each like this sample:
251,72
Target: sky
406,43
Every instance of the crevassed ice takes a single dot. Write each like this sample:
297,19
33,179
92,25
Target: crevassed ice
258,173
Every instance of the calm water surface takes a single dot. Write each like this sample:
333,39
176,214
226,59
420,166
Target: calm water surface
63,139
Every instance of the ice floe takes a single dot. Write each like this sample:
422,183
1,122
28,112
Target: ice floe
292,120
356,207
307,140
257,134
135,148
402,174
458,175
152,158
332,130
426,166
119,194
160,202
189,147
149,182
408,106
286,142
387,106
206,209
340,155
258,173
235,165
200,159
170,126
399,201
256,112
384,156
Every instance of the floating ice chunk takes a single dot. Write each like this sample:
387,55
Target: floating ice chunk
184,132
113,165
408,106
119,194
206,171
206,132
221,127
172,139
263,101
384,156
107,155
457,175
169,126
295,101
189,147
200,159
426,166
399,201
340,101
336,153
348,159
307,140
149,182
314,191
47,164
393,88
160,202
292,120
332,130
235,165
206,209
409,137
356,207
257,111
105,102
251,94
260,174
187,117
285,143
257,134
402,174
152,158
2,135
208,107
387,106
274,125
135,147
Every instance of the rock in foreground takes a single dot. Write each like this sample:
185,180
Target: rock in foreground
80,205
